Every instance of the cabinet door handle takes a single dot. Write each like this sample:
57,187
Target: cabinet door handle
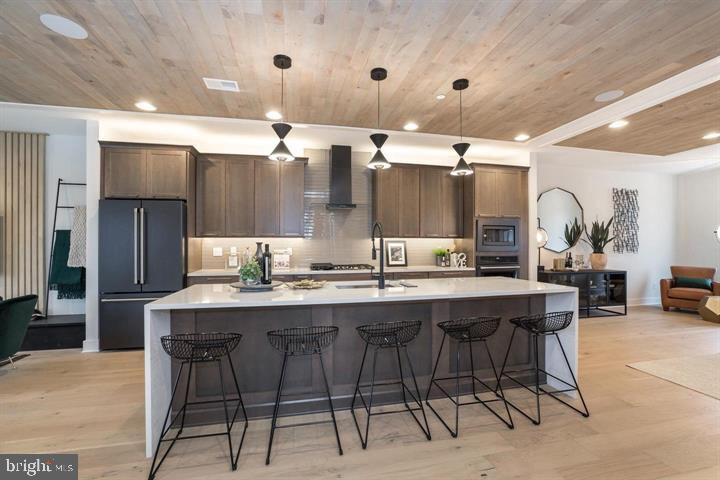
142,245
135,246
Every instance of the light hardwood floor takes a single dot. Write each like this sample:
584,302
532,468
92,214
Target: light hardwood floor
641,427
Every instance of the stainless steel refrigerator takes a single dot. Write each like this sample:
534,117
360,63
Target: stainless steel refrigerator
142,246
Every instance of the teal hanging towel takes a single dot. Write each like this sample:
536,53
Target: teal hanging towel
68,281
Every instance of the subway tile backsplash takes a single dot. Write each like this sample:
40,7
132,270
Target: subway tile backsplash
337,236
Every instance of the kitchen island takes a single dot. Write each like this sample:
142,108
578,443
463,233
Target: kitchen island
218,307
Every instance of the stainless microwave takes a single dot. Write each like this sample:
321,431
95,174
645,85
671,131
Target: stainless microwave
497,235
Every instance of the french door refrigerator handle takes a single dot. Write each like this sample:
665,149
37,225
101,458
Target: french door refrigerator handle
142,245
135,246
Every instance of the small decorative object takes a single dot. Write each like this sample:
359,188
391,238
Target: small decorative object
579,262
256,287
573,232
598,237
281,259
558,264
462,260
396,253
625,211
439,256
709,308
250,273
306,284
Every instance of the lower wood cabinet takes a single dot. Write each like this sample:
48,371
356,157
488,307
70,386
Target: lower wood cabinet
452,274
409,275
212,279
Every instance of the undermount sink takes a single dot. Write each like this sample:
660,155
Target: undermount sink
366,285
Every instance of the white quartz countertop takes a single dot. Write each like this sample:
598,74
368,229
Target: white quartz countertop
225,296
220,272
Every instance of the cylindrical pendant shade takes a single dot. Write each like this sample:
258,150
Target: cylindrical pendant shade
281,153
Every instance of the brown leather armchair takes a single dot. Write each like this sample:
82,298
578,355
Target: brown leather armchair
672,296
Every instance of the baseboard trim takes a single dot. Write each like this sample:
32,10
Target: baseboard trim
638,302
91,346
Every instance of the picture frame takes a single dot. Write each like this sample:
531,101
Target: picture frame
395,253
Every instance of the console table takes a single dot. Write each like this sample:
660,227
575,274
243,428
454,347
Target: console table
600,291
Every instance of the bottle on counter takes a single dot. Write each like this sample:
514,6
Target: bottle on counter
259,257
245,257
266,266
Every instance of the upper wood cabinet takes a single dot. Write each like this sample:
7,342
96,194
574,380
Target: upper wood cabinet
211,196
499,192
292,199
147,171
418,201
249,196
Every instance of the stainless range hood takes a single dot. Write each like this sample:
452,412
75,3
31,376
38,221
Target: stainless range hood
340,178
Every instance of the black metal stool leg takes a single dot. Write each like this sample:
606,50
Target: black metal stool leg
537,379
329,397
357,384
277,407
507,354
402,376
418,400
153,469
233,465
586,413
242,406
502,373
187,390
437,361
511,424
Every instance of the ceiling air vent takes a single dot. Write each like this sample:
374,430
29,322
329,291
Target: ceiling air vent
220,84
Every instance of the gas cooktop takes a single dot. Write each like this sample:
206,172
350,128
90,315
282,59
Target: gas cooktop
346,266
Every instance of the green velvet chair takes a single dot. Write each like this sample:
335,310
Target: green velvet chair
15,315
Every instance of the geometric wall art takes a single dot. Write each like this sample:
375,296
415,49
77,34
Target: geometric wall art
625,220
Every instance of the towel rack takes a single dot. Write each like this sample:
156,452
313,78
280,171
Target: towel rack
61,183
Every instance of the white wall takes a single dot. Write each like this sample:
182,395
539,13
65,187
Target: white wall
64,158
698,215
593,185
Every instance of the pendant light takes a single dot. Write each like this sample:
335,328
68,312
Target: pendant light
462,168
281,153
378,161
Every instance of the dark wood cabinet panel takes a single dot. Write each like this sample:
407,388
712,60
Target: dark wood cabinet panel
453,274
240,197
410,275
486,204
431,207
124,172
292,199
211,183
195,280
267,195
408,202
510,198
167,174
385,203
452,206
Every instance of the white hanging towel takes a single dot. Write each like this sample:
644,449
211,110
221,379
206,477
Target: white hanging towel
76,256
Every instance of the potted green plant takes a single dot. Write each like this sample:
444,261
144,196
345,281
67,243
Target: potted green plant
598,237
439,256
573,232
250,272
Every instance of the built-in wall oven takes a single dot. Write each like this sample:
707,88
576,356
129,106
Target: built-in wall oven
497,266
497,235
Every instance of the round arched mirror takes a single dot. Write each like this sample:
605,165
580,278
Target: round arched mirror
561,216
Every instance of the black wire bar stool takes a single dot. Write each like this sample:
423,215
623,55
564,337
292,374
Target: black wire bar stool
394,335
299,341
543,325
190,349
468,331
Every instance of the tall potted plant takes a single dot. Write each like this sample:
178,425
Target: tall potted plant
598,237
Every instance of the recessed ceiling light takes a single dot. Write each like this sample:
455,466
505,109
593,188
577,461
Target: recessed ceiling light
410,126
618,124
220,84
440,97
147,106
63,26
274,115
609,96
521,137
711,136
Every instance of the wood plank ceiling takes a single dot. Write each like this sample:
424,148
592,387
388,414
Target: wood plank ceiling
533,65
670,127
